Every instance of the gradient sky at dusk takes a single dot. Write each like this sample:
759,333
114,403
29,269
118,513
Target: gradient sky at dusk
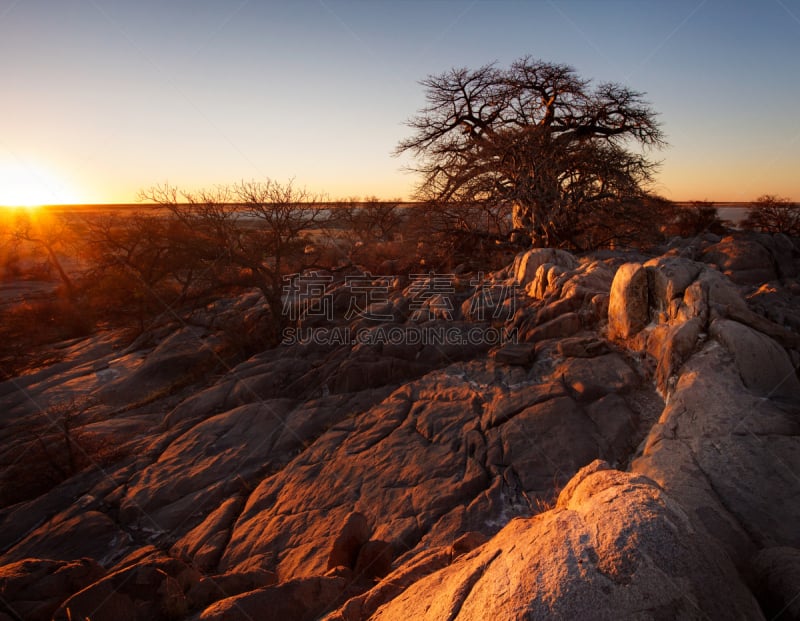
102,98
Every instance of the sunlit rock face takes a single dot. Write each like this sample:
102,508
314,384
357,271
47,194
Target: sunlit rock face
615,546
628,306
526,264
404,479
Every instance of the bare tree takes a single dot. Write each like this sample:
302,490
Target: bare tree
48,234
373,219
363,226
534,137
9,247
697,218
140,263
250,234
774,214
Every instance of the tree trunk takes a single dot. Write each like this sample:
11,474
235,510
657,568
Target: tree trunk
278,320
533,222
61,272
521,218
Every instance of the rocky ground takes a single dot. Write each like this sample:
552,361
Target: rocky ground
636,454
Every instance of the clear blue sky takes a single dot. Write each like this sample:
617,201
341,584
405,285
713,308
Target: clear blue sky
102,98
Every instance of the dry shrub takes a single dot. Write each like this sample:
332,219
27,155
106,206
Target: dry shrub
774,214
697,218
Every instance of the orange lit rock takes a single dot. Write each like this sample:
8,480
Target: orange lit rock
744,261
669,278
728,456
515,353
304,599
139,593
420,479
526,264
616,546
354,533
592,378
204,544
34,588
214,588
628,310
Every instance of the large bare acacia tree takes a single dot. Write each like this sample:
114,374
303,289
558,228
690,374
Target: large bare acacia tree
537,138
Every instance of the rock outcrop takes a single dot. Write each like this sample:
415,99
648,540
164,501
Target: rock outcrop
614,547
610,436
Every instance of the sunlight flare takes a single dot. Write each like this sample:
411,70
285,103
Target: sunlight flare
33,185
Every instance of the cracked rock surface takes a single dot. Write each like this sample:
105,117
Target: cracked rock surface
636,455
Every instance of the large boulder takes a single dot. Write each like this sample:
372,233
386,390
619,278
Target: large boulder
670,346
764,365
669,278
614,547
744,261
591,378
515,353
527,263
784,253
729,456
562,326
719,292
628,306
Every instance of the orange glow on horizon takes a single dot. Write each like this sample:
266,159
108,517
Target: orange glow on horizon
29,185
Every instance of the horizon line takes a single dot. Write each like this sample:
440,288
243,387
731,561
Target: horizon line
331,201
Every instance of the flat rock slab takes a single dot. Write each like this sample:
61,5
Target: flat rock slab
516,354
592,378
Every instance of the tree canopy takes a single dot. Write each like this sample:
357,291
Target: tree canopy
537,137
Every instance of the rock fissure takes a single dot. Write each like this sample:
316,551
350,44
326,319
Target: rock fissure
464,590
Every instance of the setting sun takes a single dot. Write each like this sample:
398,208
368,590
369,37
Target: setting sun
31,185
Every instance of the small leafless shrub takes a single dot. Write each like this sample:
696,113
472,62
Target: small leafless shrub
774,214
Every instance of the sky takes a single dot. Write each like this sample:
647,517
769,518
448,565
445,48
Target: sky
100,99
